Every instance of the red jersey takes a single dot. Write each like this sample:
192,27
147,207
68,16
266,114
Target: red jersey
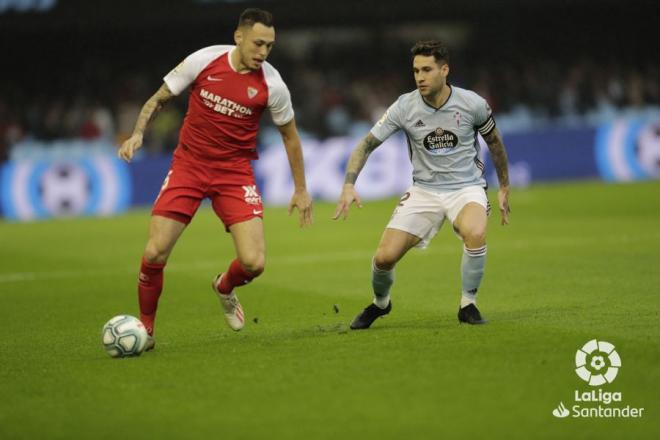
225,106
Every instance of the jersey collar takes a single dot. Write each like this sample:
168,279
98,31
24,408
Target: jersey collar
229,55
435,109
232,67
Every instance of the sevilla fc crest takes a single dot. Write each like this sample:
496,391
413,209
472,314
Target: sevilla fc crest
252,92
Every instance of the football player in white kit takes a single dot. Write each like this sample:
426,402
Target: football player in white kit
441,123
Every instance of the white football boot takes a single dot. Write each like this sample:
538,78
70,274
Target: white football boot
151,343
231,306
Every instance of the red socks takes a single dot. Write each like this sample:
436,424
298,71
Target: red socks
150,285
235,276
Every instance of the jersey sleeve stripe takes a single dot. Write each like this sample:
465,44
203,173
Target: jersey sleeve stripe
487,126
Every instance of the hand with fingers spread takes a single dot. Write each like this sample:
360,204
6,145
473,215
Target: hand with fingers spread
503,202
128,148
303,202
347,198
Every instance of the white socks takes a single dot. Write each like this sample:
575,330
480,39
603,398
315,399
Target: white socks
381,281
472,271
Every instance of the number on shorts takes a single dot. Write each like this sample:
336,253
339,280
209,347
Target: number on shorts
404,197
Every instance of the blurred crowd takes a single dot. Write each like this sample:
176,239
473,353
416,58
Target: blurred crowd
340,89
336,91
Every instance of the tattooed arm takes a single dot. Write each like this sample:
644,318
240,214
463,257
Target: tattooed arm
355,163
147,114
359,158
500,160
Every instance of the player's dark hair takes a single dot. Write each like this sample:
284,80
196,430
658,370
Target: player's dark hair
433,48
251,16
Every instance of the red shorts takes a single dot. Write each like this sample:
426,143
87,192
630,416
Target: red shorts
231,188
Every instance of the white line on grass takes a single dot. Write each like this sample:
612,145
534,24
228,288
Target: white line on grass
286,260
326,257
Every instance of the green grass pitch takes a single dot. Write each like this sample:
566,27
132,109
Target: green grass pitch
579,261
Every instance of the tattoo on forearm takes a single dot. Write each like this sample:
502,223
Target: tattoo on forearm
147,114
371,143
499,157
359,157
151,108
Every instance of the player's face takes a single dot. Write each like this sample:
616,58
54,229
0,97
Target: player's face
254,44
430,76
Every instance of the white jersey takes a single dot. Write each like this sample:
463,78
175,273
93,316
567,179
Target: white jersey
442,142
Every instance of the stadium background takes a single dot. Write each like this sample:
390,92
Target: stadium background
573,85
576,92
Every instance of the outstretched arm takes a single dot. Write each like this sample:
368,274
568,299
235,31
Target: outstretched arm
355,163
301,198
147,114
501,162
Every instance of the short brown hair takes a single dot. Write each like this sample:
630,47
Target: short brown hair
251,16
433,48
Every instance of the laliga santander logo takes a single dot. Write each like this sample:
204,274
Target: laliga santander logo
597,362
561,411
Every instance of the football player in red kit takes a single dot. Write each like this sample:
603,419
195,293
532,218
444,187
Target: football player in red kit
230,87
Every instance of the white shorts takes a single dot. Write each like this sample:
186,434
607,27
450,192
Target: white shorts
421,212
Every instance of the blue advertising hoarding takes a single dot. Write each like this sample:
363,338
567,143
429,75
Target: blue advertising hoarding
93,182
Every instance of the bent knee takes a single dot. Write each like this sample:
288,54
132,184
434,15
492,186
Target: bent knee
384,259
475,237
255,264
156,254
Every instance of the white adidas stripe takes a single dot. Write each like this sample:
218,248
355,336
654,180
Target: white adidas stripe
476,252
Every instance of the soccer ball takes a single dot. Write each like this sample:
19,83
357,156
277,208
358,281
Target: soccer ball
123,336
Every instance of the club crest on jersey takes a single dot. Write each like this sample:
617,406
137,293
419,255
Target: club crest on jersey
252,92
457,118
440,140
